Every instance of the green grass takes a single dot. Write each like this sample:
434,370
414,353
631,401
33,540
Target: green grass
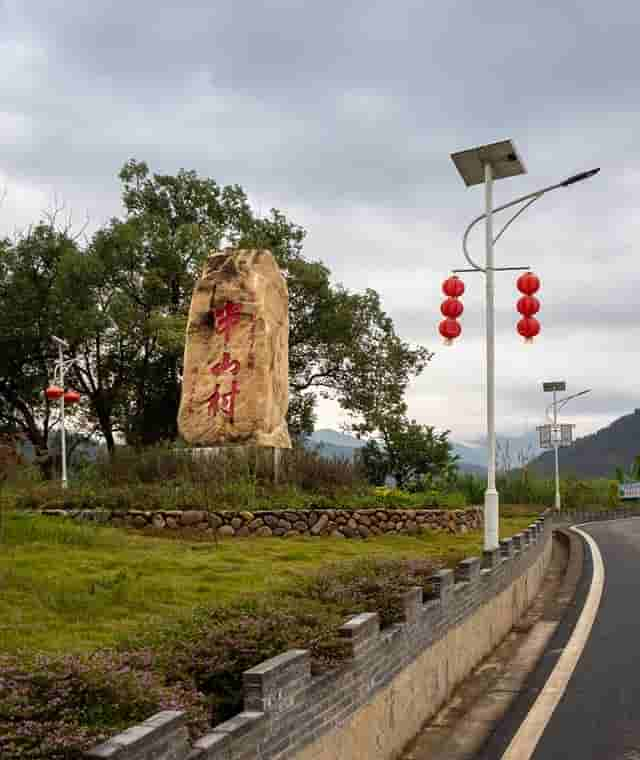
74,587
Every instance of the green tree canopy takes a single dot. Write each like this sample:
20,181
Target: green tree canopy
122,301
341,344
33,306
413,454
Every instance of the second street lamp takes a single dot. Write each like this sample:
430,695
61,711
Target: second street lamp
57,392
483,165
555,436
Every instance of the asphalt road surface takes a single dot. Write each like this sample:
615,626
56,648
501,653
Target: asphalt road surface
598,717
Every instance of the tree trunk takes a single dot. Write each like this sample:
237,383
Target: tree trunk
45,461
43,457
105,422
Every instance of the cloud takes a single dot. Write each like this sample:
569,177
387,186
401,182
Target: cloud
344,116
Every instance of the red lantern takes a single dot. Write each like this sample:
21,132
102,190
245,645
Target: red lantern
71,397
528,306
528,283
53,392
449,329
451,308
453,287
528,327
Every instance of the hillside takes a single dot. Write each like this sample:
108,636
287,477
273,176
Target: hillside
597,455
330,443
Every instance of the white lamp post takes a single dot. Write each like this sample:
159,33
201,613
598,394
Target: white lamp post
554,436
485,164
58,375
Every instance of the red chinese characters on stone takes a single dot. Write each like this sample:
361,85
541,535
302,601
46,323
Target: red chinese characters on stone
226,364
224,403
227,317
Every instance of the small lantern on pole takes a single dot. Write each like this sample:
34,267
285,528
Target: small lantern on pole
71,397
54,392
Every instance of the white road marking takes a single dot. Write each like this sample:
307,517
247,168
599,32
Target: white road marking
524,742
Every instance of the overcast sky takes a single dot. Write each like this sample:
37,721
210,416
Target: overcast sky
343,114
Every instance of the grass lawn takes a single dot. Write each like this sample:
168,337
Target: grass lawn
70,587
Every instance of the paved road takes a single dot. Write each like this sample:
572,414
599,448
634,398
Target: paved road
598,717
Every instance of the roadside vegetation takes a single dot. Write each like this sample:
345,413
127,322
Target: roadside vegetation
101,628
524,488
161,477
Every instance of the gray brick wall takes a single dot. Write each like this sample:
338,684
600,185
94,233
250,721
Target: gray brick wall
286,708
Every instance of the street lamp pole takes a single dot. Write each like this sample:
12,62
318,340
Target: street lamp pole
556,446
483,165
491,497
556,433
60,367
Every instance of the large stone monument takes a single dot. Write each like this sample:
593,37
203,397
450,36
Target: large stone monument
235,387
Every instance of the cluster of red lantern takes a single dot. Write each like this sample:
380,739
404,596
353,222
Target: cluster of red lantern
55,392
528,305
451,309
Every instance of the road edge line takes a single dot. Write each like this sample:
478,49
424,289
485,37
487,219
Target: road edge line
524,742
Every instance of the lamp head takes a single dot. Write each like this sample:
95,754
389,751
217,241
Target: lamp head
579,177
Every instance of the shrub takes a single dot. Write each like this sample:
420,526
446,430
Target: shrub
219,644
55,708
166,478
521,487
312,472
587,494
471,487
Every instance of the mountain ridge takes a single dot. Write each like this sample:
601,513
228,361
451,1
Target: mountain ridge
596,455
472,458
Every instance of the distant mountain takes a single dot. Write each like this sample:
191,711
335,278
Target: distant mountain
336,439
329,451
474,456
512,448
597,455
473,469
331,444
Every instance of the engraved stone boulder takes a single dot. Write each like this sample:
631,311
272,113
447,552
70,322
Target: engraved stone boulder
235,387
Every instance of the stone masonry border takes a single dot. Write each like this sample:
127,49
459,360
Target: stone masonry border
339,523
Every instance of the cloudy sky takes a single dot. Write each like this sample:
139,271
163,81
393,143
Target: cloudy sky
343,114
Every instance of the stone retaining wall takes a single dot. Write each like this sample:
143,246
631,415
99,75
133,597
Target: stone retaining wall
339,523
394,681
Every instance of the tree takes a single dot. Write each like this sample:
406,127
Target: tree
633,473
122,302
32,308
413,454
341,344
172,223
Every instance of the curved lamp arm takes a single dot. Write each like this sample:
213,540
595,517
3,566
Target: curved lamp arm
563,401
59,366
531,198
